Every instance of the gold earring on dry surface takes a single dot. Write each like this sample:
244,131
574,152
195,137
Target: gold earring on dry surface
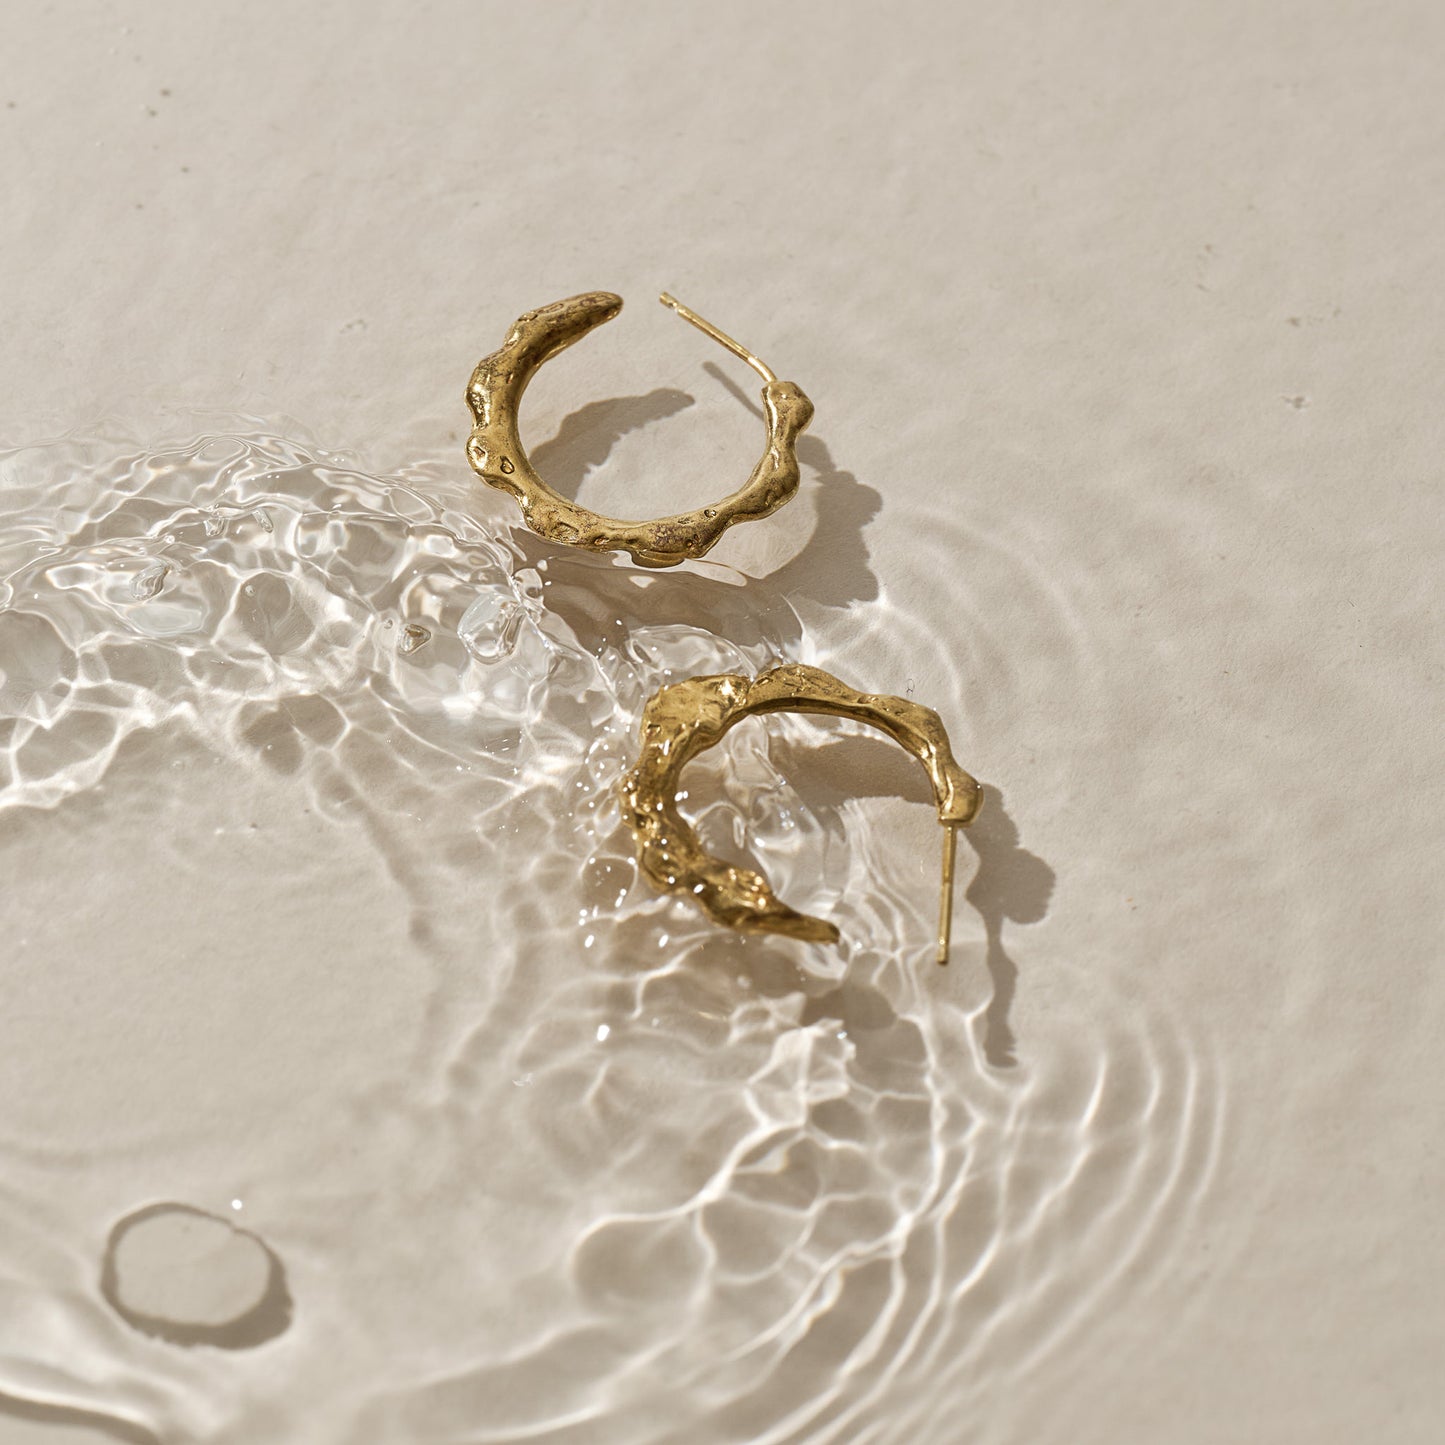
686,718
497,456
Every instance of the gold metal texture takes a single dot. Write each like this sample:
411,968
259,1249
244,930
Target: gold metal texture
496,454
687,718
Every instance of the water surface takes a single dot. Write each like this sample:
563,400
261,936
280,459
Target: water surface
323,936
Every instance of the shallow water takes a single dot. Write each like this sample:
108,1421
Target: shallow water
331,941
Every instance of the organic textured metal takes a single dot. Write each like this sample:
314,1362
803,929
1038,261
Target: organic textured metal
685,719
497,456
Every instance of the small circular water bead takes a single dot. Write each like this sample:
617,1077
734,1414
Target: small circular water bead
193,1278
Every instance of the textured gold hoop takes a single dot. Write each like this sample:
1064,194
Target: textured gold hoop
496,454
685,719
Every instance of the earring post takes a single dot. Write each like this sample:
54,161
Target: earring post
721,337
945,901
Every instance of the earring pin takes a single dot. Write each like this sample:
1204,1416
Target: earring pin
721,337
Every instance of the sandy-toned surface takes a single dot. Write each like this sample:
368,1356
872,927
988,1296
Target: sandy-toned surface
1123,326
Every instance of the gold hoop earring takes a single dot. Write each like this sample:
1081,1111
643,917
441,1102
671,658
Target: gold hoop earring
687,718
496,454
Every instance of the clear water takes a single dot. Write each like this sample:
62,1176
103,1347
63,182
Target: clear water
321,932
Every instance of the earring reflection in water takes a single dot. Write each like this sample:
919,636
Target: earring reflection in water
496,454
687,718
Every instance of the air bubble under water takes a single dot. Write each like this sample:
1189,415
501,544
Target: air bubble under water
307,774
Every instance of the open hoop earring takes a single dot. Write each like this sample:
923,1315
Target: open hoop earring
687,718
496,454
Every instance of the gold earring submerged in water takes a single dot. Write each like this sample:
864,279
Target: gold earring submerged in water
496,454
687,718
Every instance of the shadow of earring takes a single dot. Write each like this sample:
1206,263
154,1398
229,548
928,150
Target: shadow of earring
1012,885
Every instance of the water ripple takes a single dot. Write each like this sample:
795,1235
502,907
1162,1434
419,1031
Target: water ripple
334,920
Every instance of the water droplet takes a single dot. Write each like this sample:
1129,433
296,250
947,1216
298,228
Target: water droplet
264,518
189,1277
413,636
488,628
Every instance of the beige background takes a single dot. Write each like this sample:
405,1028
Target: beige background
1148,296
